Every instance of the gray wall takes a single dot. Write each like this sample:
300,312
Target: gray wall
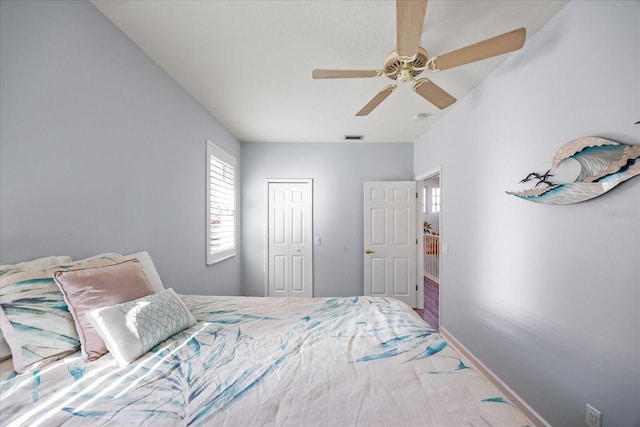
338,172
547,296
100,150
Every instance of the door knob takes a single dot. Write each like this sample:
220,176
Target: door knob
369,251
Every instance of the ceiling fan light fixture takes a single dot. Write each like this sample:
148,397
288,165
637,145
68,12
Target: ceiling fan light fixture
405,75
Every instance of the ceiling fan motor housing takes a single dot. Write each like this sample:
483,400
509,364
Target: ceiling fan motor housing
405,71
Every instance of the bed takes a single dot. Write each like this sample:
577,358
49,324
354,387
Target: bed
252,361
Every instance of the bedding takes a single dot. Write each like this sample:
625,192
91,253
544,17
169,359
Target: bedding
249,361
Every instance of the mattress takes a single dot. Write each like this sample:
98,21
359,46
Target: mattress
249,361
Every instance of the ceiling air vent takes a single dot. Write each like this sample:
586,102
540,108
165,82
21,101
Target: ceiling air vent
353,137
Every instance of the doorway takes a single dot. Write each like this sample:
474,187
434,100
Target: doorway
289,240
428,214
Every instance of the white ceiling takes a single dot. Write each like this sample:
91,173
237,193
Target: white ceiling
249,62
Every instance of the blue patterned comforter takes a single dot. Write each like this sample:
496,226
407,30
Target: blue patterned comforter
269,361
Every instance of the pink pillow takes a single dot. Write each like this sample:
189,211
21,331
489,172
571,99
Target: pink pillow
90,288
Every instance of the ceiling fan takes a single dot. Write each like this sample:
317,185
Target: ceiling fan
409,59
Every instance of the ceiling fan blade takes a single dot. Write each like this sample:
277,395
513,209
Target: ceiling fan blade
433,93
409,23
381,96
345,74
504,43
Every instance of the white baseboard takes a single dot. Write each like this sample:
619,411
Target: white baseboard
511,395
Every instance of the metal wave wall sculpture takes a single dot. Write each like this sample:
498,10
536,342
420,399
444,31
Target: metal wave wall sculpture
603,164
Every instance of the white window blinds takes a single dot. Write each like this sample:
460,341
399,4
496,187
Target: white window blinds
221,204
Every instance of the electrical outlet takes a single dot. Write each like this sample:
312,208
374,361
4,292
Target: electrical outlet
594,417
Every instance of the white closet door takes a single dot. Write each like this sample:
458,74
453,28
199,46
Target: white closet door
290,239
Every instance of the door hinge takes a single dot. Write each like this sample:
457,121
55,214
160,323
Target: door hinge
417,195
416,287
416,241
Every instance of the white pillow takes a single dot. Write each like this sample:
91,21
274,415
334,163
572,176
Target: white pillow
149,269
132,328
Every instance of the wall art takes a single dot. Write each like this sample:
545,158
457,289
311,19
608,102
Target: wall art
600,165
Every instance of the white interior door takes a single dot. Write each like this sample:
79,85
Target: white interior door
290,241
390,240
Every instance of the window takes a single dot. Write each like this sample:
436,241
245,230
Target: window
221,204
435,199
424,199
